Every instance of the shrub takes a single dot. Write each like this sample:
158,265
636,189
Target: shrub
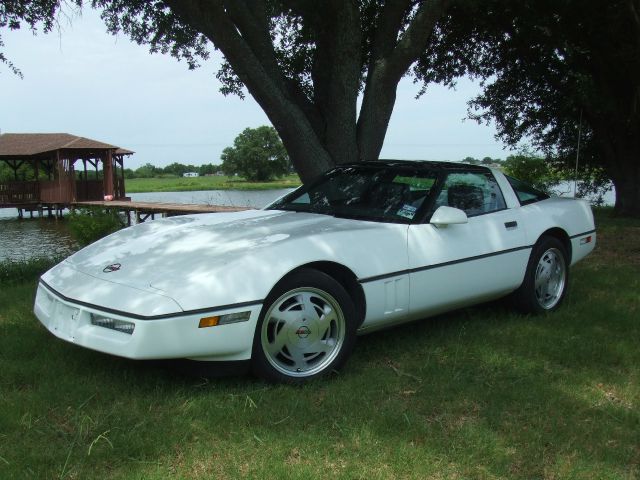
533,169
17,271
90,224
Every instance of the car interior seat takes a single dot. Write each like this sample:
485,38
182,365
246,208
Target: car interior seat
468,198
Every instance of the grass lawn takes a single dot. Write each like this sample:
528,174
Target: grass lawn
187,184
479,393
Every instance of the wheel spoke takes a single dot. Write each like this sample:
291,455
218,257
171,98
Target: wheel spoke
324,346
310,310
326,320
280,339
287,317
298,358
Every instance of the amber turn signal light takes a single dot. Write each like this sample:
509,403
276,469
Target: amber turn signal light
209,322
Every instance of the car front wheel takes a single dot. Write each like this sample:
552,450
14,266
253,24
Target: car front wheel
306,328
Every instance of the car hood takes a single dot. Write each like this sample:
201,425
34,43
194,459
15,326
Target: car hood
185,256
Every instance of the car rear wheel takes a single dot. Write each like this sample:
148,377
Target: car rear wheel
546,278
306,328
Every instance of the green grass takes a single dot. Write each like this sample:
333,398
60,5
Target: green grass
186,184
479,393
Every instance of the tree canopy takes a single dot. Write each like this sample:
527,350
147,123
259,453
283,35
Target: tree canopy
555,72
13,13
304,65
257,155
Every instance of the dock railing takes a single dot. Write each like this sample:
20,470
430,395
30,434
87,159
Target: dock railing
15,193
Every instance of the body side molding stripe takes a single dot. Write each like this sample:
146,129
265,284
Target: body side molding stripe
583,233
150,317
440,265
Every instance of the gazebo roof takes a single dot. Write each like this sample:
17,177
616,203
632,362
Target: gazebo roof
30,144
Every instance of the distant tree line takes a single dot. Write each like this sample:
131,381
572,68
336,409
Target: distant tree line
173,170
487,161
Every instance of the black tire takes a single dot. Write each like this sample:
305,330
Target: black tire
546,279
294,344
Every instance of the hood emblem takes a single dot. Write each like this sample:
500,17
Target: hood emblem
114,267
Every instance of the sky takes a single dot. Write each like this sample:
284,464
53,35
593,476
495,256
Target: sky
83,81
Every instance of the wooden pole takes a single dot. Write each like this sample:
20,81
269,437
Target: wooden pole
108,174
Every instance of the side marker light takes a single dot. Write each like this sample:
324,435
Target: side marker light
208,322
224,319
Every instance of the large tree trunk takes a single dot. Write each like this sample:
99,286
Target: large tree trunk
628,194
621,159
323,129
625,176
241,33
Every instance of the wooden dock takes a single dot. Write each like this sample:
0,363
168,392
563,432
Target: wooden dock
144,210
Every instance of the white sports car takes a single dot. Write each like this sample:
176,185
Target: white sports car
286,290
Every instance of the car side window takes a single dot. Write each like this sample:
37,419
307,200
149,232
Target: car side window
526,193
475,193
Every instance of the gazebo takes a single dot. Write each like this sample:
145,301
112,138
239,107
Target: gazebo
55,155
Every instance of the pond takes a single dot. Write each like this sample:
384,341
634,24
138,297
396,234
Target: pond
46,237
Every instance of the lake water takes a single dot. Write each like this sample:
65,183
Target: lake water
234,198
47,237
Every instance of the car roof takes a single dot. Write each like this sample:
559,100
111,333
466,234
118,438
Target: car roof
426,164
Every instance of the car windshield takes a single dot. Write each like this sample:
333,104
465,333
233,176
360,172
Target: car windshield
387,194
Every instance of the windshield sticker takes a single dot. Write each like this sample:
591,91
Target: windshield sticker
407,211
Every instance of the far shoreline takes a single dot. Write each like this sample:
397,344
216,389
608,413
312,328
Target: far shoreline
216,182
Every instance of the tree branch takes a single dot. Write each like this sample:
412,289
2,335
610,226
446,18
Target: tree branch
387,28
414,41
385,71
237,43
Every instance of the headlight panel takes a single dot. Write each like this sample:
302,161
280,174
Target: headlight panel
113,324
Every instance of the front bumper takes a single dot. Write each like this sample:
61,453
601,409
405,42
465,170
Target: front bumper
177,336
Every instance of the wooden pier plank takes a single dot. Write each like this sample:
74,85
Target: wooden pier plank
158,207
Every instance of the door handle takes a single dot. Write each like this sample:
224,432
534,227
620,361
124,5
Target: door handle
509,225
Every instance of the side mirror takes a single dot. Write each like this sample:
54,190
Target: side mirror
444,216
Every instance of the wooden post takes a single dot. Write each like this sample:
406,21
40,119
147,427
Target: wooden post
122,187
108,174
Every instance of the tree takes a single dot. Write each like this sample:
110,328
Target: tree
208,169
178,169
531,168
304,65
146,171
33,13
555,71
471,161
257,155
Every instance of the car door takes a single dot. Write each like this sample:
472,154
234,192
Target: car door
456,265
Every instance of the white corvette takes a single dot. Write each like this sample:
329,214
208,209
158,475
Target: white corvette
287,289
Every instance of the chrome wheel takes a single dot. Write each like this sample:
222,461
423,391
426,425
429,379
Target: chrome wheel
303,332
550,278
